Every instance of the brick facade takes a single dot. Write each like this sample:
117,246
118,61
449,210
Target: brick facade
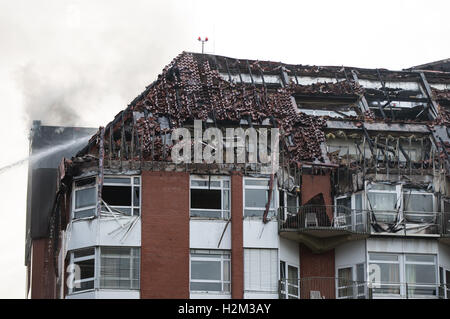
165,235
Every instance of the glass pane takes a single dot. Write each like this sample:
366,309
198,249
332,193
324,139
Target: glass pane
85,197
136,196
136,181
226,184
383,257
205,183
86,268
84,213
345,202
282,270
255,197
420,258
83,285
226,199
206,286
226,271
358,201
253,213
418,202
382,201
117,180
206,213
209,270
420,274
84,252
389,274
257,182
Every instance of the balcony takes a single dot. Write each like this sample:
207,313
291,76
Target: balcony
322,227
341,288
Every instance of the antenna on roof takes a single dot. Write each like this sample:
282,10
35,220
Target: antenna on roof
203,42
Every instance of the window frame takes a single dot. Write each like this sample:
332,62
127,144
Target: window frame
74,260
97,268
224,213
401,262
74,197
356,284
284,282
274,202
222,256
132,186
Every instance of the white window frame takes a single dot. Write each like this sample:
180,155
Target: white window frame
133,184
74,260
224,181
418,213
355,213
97,269
401,261
130,257
74,191
286,207
399,198
443,281
216,255
355,288
286,281
274,202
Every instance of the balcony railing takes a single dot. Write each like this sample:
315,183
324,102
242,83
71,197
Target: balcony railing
325,217
341,288
341,218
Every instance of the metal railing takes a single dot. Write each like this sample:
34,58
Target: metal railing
341,288
363,221
323,217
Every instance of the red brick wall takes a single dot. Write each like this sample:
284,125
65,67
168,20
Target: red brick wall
311,264
237,239
317,265
42,271
165,235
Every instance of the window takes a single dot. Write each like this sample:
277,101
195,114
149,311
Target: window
210,271
383,199
261,270
420,273
210,197
122,194
351,282
256,196
118,268
386,271
444,281
345,282
84,261
289,278
418,206
410,275
85,198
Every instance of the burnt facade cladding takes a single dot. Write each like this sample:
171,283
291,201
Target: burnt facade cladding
358,208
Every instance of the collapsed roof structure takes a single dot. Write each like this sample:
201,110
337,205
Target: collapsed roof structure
305,102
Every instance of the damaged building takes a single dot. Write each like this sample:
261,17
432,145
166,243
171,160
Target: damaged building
359,207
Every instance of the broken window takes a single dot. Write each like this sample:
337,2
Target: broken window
210,197
418,206
383,200
122,194
256,197
210,271
83,270
120,267
85,198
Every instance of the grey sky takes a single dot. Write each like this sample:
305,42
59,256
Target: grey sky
74,62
